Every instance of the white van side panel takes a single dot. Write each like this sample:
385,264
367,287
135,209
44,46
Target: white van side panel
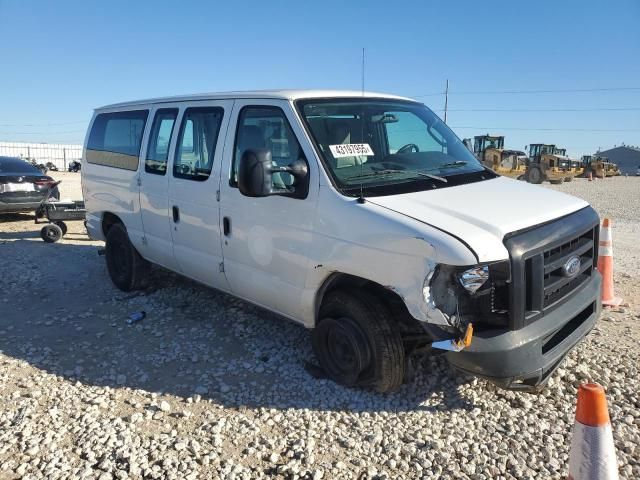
373,243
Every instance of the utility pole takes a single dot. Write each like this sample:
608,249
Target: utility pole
446,100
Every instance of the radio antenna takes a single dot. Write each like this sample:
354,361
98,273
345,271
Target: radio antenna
361,198
363,71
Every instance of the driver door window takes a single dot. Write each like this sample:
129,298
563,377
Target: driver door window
267,128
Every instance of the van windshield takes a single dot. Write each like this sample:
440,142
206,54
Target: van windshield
370,143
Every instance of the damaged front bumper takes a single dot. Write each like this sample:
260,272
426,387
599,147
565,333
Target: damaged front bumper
524,359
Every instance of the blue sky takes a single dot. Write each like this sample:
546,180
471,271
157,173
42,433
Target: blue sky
61,59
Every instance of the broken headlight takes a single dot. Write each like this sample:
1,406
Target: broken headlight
474,278
476,294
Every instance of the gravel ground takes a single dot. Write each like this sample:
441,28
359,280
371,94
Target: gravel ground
207,386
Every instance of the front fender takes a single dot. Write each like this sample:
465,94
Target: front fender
376,244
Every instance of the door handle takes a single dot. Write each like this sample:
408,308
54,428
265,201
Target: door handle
226,226
176,214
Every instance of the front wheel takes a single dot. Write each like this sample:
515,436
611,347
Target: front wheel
534,175
357,342
127,269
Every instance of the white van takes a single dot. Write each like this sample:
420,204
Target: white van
360,216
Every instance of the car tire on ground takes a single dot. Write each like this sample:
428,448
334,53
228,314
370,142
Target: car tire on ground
568,179
357,342
51,233
127,269
555,182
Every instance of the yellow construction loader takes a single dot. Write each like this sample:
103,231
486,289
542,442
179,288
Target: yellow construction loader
611,169
575,166
595,165
546,164
491,152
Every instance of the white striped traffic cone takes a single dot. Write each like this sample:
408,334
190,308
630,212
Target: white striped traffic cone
605,265
593,455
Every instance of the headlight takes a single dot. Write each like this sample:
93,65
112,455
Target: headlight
474,278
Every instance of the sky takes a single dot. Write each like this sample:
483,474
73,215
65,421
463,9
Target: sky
61,59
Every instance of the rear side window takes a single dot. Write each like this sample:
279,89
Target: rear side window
115,139
159,140
197,143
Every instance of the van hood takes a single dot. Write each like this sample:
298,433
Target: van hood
480,214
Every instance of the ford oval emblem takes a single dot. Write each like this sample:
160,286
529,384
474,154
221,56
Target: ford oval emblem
571,267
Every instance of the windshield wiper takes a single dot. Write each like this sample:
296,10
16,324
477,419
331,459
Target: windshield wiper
457,163
389,170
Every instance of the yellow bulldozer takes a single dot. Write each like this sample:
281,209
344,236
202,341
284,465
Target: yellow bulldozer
575,166
595,165
546,164
491,152
611,169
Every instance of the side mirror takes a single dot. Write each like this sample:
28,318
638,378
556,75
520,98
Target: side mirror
255,175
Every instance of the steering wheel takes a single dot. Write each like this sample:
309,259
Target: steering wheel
408,148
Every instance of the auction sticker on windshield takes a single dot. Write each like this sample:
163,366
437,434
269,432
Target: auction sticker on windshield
351,150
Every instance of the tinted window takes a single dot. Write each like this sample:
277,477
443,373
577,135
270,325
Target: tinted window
16,165
159,140
115,139
197,143
267,128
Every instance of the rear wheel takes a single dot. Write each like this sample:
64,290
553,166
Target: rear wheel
534,175
51,233
127,269
568,179
357,342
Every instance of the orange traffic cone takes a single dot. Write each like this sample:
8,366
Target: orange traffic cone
605,265
593,455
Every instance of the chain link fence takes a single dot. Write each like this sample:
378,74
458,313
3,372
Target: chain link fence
58,154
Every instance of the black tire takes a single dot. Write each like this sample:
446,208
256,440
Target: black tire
568,179
357,342
555,182
127,269
535,176
63,226
51,233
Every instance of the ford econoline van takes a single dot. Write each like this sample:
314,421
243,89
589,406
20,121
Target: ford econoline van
361,216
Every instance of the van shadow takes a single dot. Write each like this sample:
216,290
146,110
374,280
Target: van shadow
15,217
66,318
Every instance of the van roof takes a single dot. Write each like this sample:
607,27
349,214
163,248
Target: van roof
272,94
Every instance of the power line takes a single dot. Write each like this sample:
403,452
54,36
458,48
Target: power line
518,92
42,133
41,124
601,130
621,109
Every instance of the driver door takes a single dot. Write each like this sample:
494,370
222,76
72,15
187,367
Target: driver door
266,240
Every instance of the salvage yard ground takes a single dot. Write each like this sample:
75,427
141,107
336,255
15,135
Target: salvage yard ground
207,386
